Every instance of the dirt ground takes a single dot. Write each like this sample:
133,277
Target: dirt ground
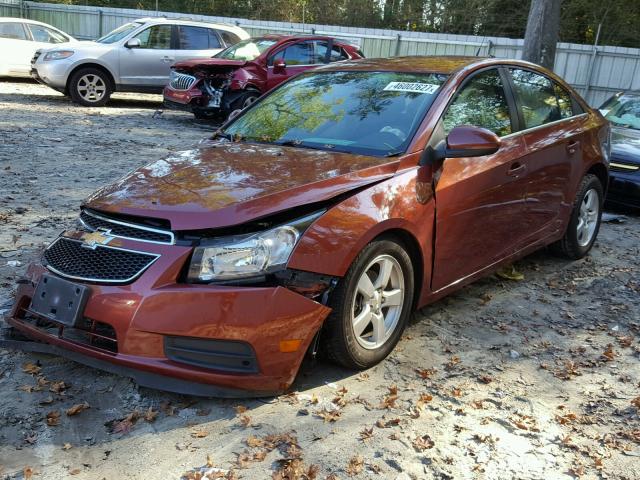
538,378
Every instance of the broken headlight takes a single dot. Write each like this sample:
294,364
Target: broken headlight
246,256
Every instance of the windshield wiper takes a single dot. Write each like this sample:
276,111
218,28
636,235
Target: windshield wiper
302,144
222,134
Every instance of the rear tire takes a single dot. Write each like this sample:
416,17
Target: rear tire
370,309
90,87
584,222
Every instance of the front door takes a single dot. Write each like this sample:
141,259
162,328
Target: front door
480,202
149,64
297,57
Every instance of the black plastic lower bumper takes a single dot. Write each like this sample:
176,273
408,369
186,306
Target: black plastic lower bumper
12,340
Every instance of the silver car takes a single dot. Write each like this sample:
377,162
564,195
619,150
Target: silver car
135,57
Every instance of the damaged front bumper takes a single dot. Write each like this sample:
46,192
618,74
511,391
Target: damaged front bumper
198,339
201,97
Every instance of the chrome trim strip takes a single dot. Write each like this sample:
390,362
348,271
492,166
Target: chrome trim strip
102,280
624,166
544,125
181,81
130,225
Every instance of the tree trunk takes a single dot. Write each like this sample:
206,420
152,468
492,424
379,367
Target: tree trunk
543,26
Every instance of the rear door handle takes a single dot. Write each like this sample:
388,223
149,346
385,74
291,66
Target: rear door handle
516,169
572,146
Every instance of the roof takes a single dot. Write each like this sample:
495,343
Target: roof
186,21
434,64
22,20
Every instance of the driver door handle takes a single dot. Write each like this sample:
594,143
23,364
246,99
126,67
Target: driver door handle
166,59
516,169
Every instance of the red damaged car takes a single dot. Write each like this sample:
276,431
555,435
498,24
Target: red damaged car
319,217
234,78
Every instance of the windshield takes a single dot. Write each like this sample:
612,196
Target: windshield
119,33
247,49
623,111
369,113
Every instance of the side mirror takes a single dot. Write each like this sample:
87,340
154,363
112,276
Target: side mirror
462,141
279,65
133,43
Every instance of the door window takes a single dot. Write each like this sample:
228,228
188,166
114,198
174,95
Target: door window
157,37
46,35
12,30
298,54
228,37
320,53
564,101
197,38
481,103
537,98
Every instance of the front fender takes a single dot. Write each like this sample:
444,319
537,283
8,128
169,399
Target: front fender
331,244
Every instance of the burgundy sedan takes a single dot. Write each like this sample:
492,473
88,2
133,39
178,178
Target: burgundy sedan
319,217
234,78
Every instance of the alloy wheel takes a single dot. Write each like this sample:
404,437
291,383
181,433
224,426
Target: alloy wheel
377,302
588,217
91,88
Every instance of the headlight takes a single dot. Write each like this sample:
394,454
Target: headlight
252,255
57,55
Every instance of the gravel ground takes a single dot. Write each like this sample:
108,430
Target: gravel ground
538,378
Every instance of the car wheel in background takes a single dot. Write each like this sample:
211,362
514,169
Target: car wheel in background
370,306
245,100
90,87
585,218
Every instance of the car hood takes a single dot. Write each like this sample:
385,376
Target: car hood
220,184
209,62
625,144
79,46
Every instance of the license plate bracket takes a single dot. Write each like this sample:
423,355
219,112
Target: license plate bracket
60,300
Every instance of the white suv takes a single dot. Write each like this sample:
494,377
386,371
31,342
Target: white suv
135,57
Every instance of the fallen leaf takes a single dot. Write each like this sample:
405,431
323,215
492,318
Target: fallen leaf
67,446
150,415
636,402
609,354
423,399
31,368
76,409
366,434
355,466
425,373
422,443
58,387
240,409
199,433
510,273
27,388
27,473
329,415
75,471
245,420
389,401
53,418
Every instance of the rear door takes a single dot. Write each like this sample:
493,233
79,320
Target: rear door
197,42
17,49
553,129
480,202
149,64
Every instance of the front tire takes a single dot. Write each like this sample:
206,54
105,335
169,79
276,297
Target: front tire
90,87
370,306
584,223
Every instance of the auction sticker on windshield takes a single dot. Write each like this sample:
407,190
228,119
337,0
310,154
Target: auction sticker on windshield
414,87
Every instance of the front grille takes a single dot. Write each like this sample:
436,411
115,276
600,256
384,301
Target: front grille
89,332
103,264
181,81
117,228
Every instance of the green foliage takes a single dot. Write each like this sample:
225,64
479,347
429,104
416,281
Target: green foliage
620,19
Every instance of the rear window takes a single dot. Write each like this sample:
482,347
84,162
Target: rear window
12,30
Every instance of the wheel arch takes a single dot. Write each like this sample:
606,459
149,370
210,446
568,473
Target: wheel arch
97,66
600,171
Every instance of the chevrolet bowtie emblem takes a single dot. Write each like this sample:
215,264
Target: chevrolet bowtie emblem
92,239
